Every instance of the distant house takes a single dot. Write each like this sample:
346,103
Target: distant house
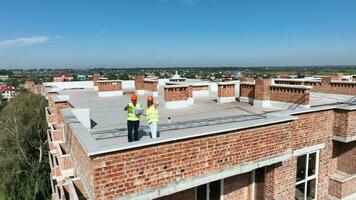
4,77
62,77
81,78
7,92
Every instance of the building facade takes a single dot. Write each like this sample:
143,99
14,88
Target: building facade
245,153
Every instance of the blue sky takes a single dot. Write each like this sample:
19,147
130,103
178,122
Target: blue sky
174,33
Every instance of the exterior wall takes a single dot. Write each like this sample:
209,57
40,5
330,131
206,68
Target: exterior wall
190,92
346,157
247,90
150,85
345,123
96,78
280,180
175,94
289,95
200,87
262,89
238,187
109,86
332,85
247,79
82,162
226,90
183,195
123,173
312,129
341,189
139,84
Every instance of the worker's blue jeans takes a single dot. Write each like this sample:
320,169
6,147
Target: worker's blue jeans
153,129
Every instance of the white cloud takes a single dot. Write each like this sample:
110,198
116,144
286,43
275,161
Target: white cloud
25,41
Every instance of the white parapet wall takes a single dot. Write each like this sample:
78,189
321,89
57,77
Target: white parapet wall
201,93
128,84
110,93
176,104
191,101
246,100
71,84
213,87
226,99
278,104
140,92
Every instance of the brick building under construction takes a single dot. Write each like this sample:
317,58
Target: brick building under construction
280,139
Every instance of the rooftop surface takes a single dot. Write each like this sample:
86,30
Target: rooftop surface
109,120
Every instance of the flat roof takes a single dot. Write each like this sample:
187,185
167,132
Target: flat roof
109,120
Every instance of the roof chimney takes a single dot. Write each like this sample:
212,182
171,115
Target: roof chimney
262,92
96,78
176,96
226,92
190,95
109,88
139,84
151,85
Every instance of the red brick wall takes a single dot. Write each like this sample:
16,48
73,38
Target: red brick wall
183,195
109,86
139,84
326,85
312,129
342,189
150,85
289,95
247,90
345,123
83,163
280,180
118,174
247,79
175,94
199,87
238,187
226,90
96,78
346,156
190,92
262,89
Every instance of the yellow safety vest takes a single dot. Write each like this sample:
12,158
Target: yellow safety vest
152,114
131,116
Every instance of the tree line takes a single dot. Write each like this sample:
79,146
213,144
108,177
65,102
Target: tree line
24,167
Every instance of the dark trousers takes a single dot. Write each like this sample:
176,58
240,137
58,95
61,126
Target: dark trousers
132,125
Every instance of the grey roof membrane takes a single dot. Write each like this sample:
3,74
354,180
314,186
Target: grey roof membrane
109,122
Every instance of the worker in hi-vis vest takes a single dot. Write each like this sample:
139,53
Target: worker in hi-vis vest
152,116
134,111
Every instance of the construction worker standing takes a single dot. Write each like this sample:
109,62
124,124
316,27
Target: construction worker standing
133,118
152,116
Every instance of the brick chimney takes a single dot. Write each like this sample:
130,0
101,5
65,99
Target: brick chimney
226,92
262,93
247,79
151,85
139,84
108,88
176,96
96,78
190,95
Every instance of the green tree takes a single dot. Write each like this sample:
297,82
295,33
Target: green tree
12,82
24,168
